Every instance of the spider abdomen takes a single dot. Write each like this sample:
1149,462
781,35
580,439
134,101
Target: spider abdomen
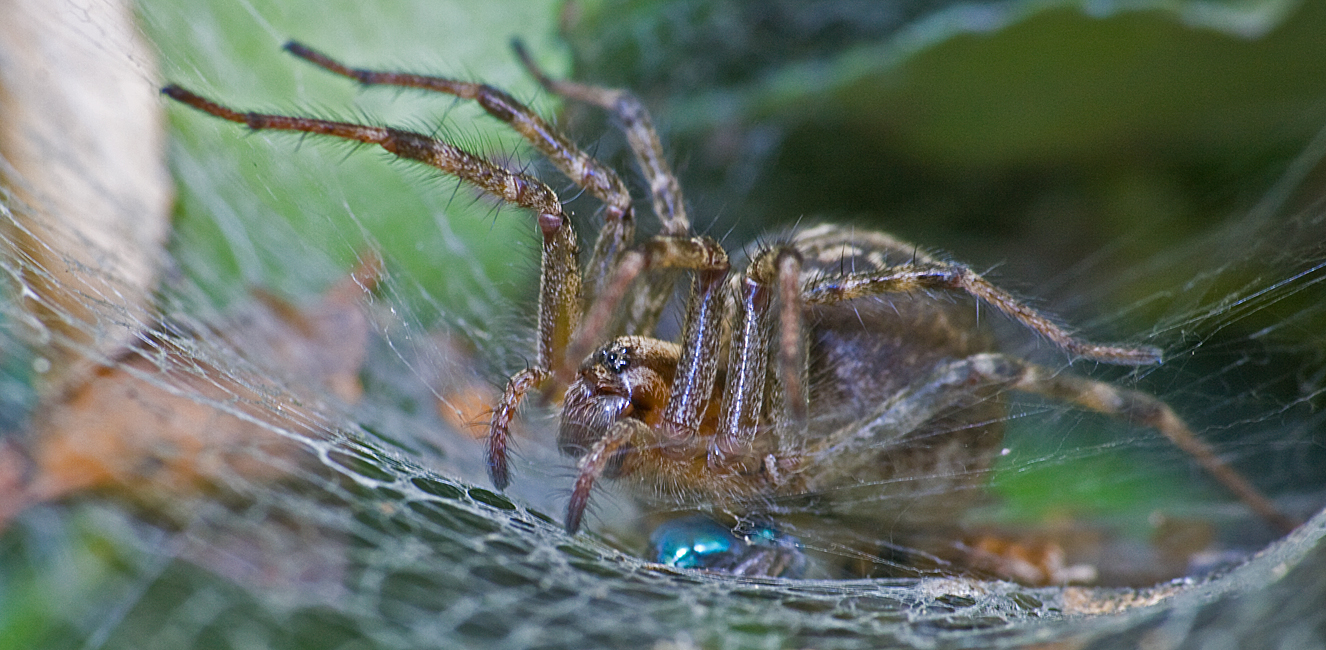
866,354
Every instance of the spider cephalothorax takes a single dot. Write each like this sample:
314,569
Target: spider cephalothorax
824,370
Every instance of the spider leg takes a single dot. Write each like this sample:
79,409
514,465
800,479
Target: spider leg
1141,409
579,166
664,190
640,132
752,391
560,299
948,387
693,384
594,463
742,409
791,376
560,292
496,448
954,277
693,381
702,255
953,385
512,187
584,170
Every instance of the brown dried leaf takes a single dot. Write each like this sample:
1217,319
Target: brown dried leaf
162,427
84,192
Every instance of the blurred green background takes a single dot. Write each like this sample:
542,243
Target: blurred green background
1031,135
273,210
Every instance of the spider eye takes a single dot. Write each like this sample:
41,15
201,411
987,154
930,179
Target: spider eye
615,359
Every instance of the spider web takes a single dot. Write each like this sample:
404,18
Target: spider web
293,509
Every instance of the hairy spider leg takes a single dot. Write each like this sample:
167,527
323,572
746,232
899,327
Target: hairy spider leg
767,293
954,277
560,293
622,433
585,171
499,427
755,393
640,133
694,253
739,418
791,378
647,307
951,384
1144,410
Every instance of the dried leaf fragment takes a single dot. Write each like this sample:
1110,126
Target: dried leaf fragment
162,426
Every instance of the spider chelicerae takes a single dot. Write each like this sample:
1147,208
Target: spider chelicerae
821,384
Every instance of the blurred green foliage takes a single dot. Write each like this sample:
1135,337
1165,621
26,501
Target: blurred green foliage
1027,134
293,213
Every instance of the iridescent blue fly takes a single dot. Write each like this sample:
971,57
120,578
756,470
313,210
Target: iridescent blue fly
698,542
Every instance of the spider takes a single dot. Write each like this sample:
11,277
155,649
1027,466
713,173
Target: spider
823,379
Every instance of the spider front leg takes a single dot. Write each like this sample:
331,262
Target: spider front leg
584,170
560,298
665,192
560,292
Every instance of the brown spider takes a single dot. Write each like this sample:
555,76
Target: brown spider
822,373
